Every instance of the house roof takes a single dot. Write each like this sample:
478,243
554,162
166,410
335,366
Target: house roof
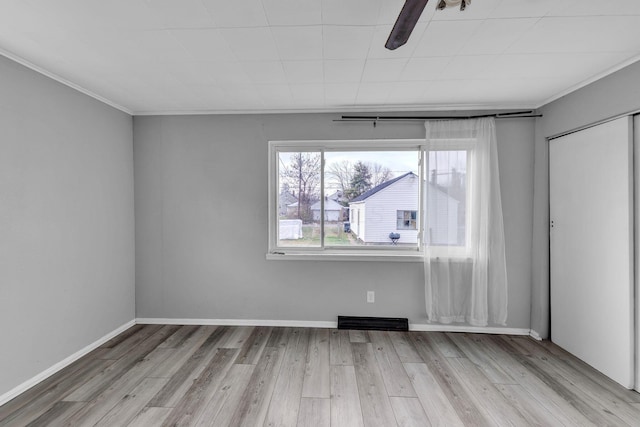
380,187
287,198
337,196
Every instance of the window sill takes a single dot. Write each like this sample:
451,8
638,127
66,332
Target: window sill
337,256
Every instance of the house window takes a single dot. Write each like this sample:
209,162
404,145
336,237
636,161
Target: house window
407,220
344,196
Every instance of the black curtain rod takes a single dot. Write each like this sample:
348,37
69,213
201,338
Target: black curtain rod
515,114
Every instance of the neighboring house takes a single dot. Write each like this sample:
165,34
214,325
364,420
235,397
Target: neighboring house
338,196
392,207
285,199
304,214
332,210
292,209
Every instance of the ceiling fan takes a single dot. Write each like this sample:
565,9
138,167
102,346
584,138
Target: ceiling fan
409,16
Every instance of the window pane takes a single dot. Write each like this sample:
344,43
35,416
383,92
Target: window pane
447,198
299,199
407,220
364,191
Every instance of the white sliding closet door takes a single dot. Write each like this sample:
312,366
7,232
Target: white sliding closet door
591,212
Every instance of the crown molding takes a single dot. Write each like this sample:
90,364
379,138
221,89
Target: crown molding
62,80
345,109
590,80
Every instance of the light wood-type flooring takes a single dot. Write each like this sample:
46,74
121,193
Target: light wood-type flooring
157,375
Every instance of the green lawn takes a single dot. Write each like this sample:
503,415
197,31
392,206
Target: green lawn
334,236
338,239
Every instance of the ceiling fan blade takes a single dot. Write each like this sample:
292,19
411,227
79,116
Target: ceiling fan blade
405,23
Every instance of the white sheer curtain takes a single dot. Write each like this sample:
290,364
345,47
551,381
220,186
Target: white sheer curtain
464,263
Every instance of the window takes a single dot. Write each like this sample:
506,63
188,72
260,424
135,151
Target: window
365,197
343,196
407,220
448,191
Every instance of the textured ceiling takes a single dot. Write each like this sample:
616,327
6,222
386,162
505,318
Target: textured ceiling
185,56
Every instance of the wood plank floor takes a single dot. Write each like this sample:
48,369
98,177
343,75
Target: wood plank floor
155,375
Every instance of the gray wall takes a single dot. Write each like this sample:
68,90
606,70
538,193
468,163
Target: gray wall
613,95
66,222
201,224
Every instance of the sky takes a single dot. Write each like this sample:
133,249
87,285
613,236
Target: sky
399,162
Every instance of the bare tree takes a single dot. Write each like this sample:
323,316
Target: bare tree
363,175
341,174
303,173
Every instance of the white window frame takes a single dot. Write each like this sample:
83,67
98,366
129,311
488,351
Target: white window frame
468,145
365,253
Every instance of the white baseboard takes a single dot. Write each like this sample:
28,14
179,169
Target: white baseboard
535,335
468,329
4,398
239,322
327,324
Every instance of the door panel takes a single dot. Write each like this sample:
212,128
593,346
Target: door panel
591,238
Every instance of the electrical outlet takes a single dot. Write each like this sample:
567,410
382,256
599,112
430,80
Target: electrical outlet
371,296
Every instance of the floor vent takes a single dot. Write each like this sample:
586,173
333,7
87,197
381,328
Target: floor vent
373,323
